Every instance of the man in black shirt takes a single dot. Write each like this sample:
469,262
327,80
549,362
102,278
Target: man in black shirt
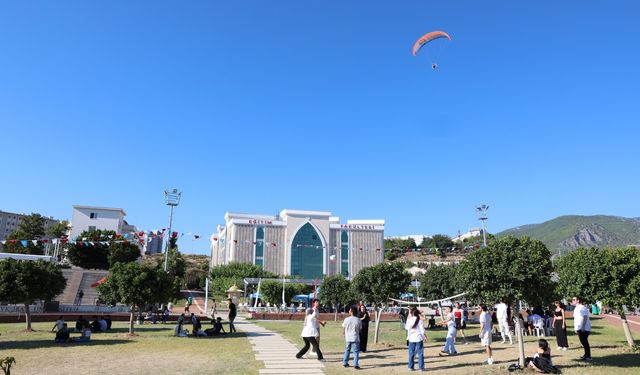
232,315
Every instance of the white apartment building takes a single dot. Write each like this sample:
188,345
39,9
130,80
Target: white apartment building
93,218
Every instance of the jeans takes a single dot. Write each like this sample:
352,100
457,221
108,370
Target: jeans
584,340
450,346
356,352
232,328
419,348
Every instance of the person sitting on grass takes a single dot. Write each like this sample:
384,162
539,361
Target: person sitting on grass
85,336
541,361
108,320
179,323
217,329
95,325
62,334
58,324
80,323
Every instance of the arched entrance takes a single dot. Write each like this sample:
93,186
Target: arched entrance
307,254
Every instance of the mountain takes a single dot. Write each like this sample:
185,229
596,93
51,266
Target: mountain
572,231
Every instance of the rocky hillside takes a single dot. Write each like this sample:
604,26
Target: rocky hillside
570,232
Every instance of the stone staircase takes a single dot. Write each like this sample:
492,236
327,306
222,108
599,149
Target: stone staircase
73,277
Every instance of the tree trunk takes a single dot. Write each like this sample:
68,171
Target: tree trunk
27,315
335,315
515,315
625,327
133,311
378,314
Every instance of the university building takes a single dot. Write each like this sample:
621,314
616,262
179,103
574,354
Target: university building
307,244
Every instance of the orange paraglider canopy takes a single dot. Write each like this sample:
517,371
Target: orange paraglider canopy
426,38
94,285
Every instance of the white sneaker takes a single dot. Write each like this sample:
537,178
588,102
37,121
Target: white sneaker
504,341
489,361
559,348
565,348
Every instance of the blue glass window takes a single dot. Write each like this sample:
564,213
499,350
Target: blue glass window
307,253
259,247
344,253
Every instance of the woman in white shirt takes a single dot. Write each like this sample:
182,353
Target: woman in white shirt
309,334
415,336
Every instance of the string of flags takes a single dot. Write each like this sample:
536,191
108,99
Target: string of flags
274,244
140,237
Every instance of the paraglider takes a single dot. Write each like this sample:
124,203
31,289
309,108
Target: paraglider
425,39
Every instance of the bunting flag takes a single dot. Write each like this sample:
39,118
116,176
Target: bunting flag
24,243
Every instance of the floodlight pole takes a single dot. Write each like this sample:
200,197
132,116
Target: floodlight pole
482,216
172,198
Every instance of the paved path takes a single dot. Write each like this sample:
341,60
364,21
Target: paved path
277,353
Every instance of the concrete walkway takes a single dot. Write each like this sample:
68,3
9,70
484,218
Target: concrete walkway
277,353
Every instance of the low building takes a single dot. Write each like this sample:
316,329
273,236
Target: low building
308,244
88,218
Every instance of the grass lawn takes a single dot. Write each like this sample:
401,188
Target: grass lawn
155,351
390,355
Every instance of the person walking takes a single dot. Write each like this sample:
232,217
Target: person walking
560,326
364,331
450,323
503,321
582,326
415,337
309,334
352,330
315,304
486,327
232,315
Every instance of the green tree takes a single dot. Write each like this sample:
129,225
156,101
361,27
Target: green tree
271,291
31,227
334,290
397,243
136,285
123,252
378,283
92,250
611,276
28,281
58,229
510,268
240,270
438,282
440,241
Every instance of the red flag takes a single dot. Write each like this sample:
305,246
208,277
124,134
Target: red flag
174,234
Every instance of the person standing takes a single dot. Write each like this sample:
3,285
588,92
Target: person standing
560,326
486,326
214,309
232,315
460,321
309,334
503,321
352,331
582,326
364,331
80,295
415,337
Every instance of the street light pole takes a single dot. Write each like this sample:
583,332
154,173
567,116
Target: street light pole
172,199
482,216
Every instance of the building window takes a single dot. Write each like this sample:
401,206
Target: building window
307,253
344,253
92,228
259,247
93,215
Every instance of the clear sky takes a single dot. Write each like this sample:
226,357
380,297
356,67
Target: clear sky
257,106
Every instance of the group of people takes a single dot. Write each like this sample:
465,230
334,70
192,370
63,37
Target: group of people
216,322
86,328
355,330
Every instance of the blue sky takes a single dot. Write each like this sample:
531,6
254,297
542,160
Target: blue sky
256,106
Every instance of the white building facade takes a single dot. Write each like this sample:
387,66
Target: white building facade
308,244
93,218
